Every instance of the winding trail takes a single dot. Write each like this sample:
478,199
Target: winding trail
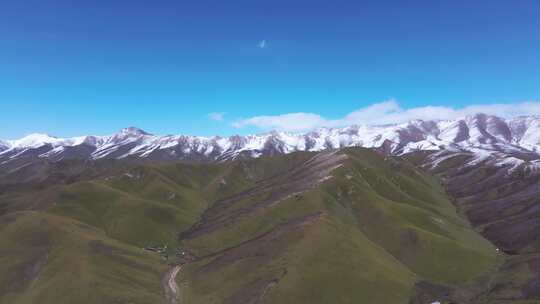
172,290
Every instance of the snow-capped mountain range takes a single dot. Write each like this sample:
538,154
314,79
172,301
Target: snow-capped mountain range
480,134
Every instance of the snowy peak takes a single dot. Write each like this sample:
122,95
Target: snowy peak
4,145
481,129
472,133
125,135
486,129
454,131
133,131
35,140
526,131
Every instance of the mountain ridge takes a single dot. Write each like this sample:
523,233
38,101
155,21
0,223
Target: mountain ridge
480,133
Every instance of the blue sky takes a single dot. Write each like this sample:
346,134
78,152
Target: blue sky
92,67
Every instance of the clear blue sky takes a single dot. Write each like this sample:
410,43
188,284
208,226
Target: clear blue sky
77,67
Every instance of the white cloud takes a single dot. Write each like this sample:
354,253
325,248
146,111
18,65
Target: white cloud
262,44
386,112
293,122
217,116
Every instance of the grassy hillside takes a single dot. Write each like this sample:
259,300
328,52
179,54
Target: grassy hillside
51,259
332,227
368,234
501,202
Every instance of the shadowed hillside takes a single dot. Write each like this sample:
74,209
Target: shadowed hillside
501,202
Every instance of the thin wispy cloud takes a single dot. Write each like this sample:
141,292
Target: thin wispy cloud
216,116
386,112
262,44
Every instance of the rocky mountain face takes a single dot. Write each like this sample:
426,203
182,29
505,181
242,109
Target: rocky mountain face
482,134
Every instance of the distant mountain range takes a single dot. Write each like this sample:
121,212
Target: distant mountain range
430,212
481,134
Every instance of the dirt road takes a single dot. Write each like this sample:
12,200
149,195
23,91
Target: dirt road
172,290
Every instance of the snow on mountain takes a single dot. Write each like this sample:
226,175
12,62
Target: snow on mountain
37,140
480,134
526,132
4,145
33,141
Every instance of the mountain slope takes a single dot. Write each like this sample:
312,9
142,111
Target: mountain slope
51,259
372,231
500,196
342,227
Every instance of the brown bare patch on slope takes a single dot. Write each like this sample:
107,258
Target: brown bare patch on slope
275,190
